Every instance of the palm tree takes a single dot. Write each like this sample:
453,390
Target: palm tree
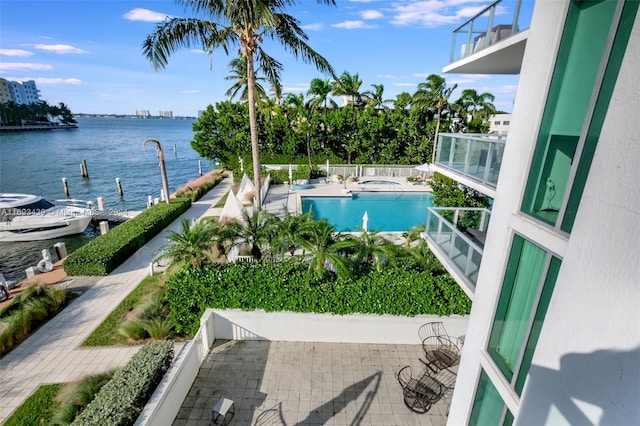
348,85
290,228
370,247
402,101
258,229
193,244
477,104
433,95
238,69
302,124
237,23
319,90
375,98
320,238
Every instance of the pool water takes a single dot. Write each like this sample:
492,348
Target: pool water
387,211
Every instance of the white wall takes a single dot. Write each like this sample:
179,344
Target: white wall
586,369
301,327
537,67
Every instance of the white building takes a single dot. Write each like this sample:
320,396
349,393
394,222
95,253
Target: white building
499,124
25,92
166,114
554,332
142,113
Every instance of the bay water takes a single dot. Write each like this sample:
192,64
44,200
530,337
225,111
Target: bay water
34,162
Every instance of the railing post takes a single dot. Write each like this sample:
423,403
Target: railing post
516,15
483,218
492,11
467,157
452,150
488,162
456,214
468,263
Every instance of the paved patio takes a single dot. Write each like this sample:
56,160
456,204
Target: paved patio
304,383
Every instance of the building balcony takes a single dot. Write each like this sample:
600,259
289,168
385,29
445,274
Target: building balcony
456,236
472,159
493,41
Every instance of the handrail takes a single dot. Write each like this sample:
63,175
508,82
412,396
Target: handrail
478,14
454,229
482,137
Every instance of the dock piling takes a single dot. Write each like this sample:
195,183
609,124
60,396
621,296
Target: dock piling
84,172
104,227
65,185
200,167
119,184
100,201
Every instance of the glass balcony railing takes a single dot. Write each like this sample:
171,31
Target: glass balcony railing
495,23
458,234
477,156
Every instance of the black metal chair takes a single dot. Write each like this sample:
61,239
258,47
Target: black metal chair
440,352
421,392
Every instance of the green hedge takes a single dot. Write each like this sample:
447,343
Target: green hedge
105,253
120,401
288,286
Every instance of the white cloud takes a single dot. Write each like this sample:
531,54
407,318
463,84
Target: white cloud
145,15
15,52
405,84
313,27
431,13
371,14
506,89
423,74
390,76
23,66
190,91
352,25
460,81
360,1
292,89
61,49
52,81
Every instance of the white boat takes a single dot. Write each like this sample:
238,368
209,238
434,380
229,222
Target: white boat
31,218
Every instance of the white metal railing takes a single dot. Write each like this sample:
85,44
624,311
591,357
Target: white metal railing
478,156
462,247
359,170
496,22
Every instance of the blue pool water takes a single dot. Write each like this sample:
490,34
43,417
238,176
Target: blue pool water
387,211
378,182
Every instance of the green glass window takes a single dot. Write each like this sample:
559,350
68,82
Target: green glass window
511,323
488,407
576,73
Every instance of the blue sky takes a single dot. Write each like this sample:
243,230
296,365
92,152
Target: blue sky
88,54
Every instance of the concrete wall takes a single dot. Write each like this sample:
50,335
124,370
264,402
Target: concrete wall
300,327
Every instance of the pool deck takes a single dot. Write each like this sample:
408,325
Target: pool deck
280,196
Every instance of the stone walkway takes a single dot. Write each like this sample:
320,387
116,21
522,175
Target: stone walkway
303,383
53,353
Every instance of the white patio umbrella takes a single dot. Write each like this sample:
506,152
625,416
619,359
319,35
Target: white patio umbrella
365,221
290,175
426,167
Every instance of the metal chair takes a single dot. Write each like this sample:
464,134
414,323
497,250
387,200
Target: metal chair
421,392
440,352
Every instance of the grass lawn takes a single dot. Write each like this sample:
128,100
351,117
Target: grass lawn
222,200
37,409
107,333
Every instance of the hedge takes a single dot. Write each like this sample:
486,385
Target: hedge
120,401
288,286
106,252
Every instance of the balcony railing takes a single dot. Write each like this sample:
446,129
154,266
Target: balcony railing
457,235
500,20
477,156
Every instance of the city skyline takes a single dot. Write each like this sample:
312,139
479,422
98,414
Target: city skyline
89,54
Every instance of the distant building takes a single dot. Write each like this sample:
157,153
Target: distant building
166,114
21,93
499,124
5,92
142,113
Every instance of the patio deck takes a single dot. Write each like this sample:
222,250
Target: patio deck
305,383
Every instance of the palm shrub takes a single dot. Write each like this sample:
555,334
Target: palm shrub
320,239
289,231
192,244
370,247
258,230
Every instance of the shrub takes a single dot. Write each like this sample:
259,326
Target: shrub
106,252
120,401
73,398
403,289
133,330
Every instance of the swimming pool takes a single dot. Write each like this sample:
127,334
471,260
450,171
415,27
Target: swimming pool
387,211
379,182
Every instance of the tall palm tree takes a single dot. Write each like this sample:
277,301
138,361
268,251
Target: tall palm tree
238,73
374,97
348,85
433,95
319,90
244,24
302,124
477,104
402,101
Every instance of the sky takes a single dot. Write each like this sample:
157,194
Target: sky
88,53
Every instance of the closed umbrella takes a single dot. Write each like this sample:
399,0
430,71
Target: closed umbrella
365,222
290,174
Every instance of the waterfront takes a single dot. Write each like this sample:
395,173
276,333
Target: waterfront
35,163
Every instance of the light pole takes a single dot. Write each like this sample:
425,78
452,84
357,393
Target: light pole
163,171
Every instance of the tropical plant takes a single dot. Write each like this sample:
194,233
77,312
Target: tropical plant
370,247
242,23
320,239
477,105
433,96
413,234
289,230
192,244
348,85
257,229
238,69
319,90
375,98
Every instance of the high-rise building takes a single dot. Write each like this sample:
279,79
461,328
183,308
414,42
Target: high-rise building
142,113
25,92
5,92
554,268
166,113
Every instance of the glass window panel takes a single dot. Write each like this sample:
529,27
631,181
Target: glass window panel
583,45
511,323
541,312
488,407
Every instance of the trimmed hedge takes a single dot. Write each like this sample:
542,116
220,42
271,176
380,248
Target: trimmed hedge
288,286
105,253
120,401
